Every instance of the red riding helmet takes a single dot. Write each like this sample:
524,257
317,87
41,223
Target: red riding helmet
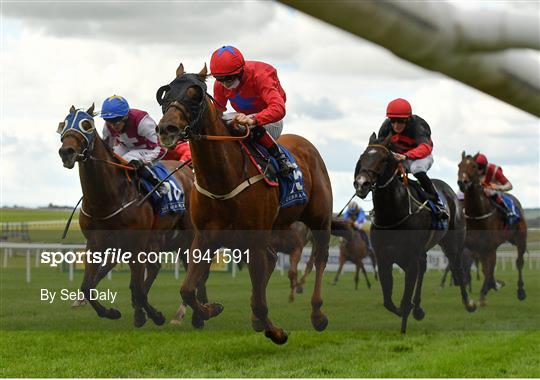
399,108
226,60
481,159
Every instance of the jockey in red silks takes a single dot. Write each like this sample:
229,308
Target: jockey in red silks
411,142
493,181
131,133
254,91
181,152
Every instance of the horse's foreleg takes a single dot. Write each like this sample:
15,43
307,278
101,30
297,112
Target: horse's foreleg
521,246
365,274
411,275
197,271
152,272
387,283
138,295
488,268
321,240
418,312
340,268
307,271
261,266
294,258
443,279
93,273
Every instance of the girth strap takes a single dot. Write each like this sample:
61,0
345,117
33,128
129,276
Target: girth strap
221,197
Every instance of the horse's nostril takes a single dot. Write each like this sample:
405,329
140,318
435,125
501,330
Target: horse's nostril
66,151
171,129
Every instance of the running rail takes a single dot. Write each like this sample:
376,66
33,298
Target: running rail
494,51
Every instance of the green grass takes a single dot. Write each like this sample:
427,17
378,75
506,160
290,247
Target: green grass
32,214
362,340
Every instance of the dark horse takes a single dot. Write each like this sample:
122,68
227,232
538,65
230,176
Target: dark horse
111,217
402,230
486,229
354,248
232,207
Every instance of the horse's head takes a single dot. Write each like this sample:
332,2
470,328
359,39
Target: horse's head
77,136
183,102
376,160
467,172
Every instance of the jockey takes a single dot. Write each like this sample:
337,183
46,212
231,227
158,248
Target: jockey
357,216
131,133
411,141
493,181
181,152
254,91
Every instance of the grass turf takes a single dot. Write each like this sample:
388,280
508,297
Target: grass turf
362,340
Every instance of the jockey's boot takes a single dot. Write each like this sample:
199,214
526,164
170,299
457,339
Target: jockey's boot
144,171
427,185
262,136
499,203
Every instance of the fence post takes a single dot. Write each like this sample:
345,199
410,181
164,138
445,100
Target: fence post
109,275
37,258
6,253
28,265
233,269
176,269
71,272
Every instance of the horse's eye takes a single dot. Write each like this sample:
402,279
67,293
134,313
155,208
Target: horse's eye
86,126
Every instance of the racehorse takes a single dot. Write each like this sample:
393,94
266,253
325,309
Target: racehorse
487,230
231,206
468,259
402,230
354,249
110,216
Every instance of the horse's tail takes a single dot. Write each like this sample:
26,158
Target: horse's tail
341,228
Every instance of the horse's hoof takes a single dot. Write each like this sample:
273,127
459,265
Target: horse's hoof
483,302
369,286
215,309
176,321
299,289
113,314
470,306
320,323
418,313
197,321
158,319
499,284
139,321
521,294
277,335
79,303
257,324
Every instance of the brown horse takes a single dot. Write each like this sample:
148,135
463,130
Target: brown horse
402,229
232,207
354,249
486,229
111,217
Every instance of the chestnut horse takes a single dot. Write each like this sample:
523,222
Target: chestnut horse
111,217
355,249
402,231
232,207
486,229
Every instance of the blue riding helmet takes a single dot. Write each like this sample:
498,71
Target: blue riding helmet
113,107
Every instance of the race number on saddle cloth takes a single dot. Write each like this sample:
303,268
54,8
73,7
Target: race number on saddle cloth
254,91
173,201
291,187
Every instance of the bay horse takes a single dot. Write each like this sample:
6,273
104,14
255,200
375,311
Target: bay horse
354,249
111,218
402,231
231,206
486,229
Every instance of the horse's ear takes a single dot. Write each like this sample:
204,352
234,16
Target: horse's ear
72,109
203,73
372,138
61,126
180,70
463,155
476,155
90,110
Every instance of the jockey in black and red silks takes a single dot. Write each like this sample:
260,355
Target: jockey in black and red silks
254,91
493,181
411,143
